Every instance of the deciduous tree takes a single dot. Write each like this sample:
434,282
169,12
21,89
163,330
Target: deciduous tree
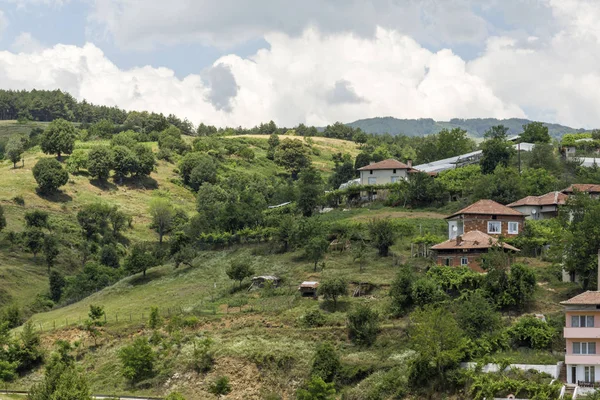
59,138
49,175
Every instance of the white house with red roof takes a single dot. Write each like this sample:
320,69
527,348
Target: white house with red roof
384,172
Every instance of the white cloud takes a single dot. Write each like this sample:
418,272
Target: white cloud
555,79
145,23
26,43
391,74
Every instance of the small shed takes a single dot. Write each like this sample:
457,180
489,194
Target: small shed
309,288
259,281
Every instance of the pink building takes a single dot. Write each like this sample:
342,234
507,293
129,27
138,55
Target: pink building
582,335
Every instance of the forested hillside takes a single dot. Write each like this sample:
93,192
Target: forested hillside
128,249
476,127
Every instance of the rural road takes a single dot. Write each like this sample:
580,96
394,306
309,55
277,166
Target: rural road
94,396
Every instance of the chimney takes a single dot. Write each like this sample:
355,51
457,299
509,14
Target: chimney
409,163
459,241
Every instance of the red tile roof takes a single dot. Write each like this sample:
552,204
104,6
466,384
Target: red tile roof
583,187
590,297
552,198
385,164
472,240
488,207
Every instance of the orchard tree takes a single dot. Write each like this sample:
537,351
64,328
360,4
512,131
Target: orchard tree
14,149
383,235
316,248
239,270
496,150
293,155
333,288
163,214
49,175
99,162
58,138
535,132
145,160
123,161
51,251
310,190
139,259
36,219
34,241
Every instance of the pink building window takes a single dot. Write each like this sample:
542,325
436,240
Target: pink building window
582,321
584,347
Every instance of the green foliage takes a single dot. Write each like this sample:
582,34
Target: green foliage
522,384
313,319
36,219
315,249
198,168
239,270
174,396
496,149
49,175
535,132
145,160
99,162
326,362
458,181
77,161
514,289
532,332
2,219
57,284
425,291
220,386
476,315
34,240
140,259
447,143
293,155
163,215
363,325
401,291
170,139
14,149
27,352
440,342
51,250
62,381
455,280
93,278
332,288
123,162
137,360
310,189
343,170
109,256
202,359
155,320
58,138
383,234
503,185
317,389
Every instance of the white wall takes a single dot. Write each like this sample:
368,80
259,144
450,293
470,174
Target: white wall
550,369
580,371
384,176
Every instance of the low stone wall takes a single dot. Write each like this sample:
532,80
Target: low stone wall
553,369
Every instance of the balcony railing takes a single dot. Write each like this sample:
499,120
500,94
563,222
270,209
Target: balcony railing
584,384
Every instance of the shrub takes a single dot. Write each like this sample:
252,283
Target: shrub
155,320
532,332
19,200
317,389
49,175
426,291
202,357
137,360
363,325
401,291
326,362
220,386
313,319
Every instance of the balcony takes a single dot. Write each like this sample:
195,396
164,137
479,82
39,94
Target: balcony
581,333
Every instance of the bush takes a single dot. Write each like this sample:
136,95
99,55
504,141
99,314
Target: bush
326,362
426,291
363,325
155,320
532,332
316,389
49,175
220,386
202,357
401,291
313,319
19,200
137,360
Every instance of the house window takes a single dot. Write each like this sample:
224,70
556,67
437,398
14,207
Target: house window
394,171
513,228
464,261
394,179
582,321
371,172
590,374
584,347
372,181
494,227
447,262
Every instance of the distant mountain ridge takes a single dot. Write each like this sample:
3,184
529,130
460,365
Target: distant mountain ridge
476,127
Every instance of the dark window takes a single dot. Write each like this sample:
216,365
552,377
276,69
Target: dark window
394,171
371,172
447,262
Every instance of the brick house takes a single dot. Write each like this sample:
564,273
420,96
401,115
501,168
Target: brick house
486,216
467,250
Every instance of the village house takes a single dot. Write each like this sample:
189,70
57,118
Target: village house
486,216
384,172
467,250
540,207
582,336
589,188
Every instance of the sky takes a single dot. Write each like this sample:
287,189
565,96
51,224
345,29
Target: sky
243,62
